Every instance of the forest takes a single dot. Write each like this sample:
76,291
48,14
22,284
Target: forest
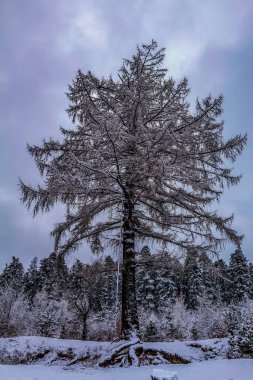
194,297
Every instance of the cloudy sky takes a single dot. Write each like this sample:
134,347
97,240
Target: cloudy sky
44,42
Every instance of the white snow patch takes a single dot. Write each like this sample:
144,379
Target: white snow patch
233,369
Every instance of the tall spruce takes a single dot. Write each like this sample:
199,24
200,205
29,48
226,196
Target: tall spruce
95,275
13,275
53,275
208,277
80,294
193,288
165,286
145,279
222,281
239,277
31,279
77,279
138,155
109,284
251,280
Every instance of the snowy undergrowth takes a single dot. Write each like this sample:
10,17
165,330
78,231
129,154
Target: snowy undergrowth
76,353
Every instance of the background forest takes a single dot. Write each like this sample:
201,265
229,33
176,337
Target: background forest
194,298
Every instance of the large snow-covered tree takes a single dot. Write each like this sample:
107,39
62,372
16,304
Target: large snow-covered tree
138,163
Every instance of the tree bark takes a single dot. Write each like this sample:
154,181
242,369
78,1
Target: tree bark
129,315
84,328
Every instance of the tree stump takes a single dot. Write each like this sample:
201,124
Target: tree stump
161,374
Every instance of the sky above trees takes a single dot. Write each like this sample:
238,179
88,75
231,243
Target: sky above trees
43,45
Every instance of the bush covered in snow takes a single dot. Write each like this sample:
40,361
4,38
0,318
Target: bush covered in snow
239,319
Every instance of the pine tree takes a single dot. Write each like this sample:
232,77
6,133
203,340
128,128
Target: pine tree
151,332
165,287
77,279
31,280
62,276
239,277
251,280
53,275
109,284
192,280
222,281
208,277
165,291
239,321
138,152
13,275
145,279
48,274
175,267
95,273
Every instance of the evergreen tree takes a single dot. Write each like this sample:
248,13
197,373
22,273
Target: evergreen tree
151,332
239,321
145,280
208,277
239,277
48,274
251,280
62,276
53,275
165,287
77,279
31,280
109,283
175,267
13,275
95,279
192,280
222,281
80,294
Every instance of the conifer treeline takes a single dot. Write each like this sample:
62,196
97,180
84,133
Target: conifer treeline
51,299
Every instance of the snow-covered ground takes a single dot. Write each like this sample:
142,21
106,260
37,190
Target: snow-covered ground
39,358
236,369
51,351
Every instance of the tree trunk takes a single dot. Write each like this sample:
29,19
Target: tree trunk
84,328
129,315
